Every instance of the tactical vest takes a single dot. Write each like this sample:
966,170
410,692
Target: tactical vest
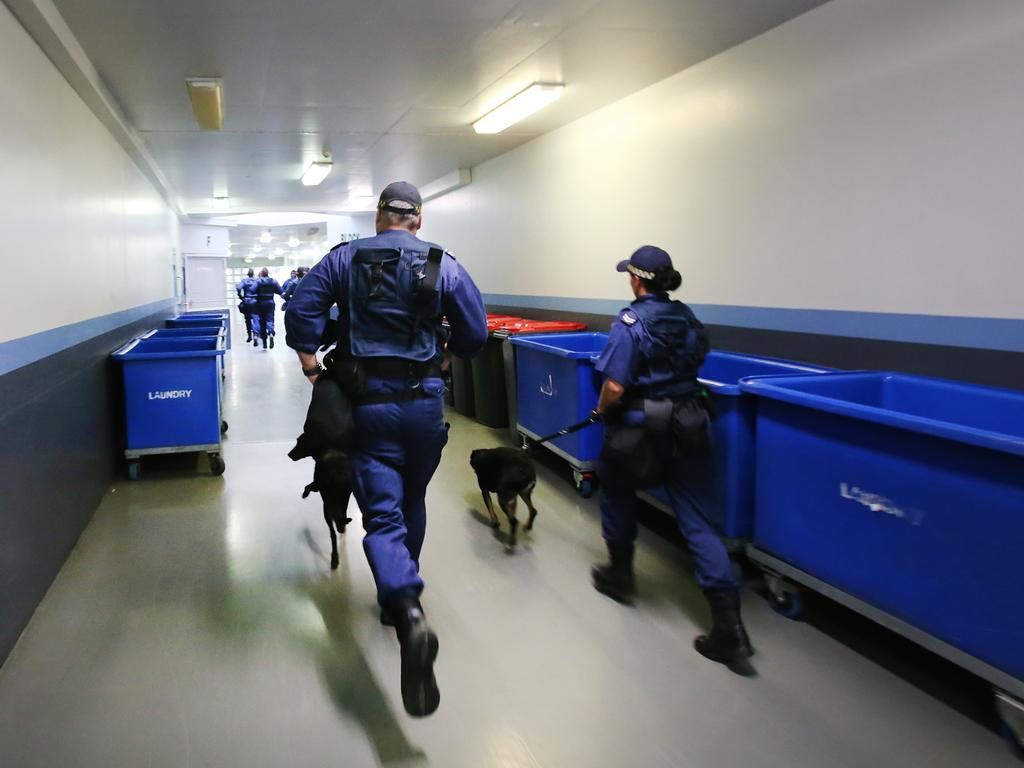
395,302
265,290
678,345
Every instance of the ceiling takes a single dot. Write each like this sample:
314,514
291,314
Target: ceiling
390,87
312,243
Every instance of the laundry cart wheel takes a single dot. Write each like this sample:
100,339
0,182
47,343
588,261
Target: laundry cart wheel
788,604
216,464
133,469
584,482
223,427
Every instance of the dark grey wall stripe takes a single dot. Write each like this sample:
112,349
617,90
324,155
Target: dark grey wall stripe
27,349
994,333
981,366
61,421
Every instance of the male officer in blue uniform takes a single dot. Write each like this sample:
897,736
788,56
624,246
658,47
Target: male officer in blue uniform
264,309
289,286
288,283
655,349
246,291
392,291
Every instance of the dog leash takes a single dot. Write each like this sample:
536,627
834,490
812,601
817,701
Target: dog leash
592,419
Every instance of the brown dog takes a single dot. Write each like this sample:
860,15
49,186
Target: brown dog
509,473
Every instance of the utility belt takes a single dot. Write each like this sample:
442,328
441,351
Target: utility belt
643,433
351,373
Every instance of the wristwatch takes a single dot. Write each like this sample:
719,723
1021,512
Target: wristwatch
316,370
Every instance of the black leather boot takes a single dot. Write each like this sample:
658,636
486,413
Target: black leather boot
248,338
255,341
728,641
264,342
271,342
420,695
616,578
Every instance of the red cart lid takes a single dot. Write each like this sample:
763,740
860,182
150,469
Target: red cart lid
496,322
541,326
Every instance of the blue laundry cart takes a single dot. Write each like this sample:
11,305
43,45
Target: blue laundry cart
901,497
172,398
199,320
556,385
732,438
191,332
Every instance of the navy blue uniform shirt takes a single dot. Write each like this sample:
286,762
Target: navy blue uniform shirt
326,285
627,343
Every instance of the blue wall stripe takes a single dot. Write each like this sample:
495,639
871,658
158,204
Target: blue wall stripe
978,332
28,349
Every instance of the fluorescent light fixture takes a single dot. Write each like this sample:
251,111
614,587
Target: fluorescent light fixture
271,219
222,204
206,95
248,259
278,251
293,242
266,237
271,256
257,248
317,171
447,183
522,105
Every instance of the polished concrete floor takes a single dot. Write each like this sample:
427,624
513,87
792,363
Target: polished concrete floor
197,623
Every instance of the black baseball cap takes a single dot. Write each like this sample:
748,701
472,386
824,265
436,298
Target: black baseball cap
400,192
645,262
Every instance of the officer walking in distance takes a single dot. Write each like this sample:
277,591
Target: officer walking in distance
246,291
263,310
657,433
392,291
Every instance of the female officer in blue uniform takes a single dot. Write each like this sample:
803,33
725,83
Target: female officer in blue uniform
392,291
655,349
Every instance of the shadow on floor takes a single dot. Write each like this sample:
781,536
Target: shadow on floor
253,611
347,676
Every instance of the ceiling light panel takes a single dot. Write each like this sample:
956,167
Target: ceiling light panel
206,95
519,107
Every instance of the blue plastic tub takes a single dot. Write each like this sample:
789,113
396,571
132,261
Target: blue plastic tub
732,435
190,332
184,333
557,386
172,395
212,320
906,494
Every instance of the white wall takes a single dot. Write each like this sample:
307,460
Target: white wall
344,227
866,156
84,231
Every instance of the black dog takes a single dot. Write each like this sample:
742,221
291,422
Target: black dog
509,473
326,436
331,481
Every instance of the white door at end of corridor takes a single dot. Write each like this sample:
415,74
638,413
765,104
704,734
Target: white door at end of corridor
204,282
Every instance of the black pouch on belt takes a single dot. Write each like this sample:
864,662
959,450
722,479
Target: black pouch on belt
348,372
634,447
690,429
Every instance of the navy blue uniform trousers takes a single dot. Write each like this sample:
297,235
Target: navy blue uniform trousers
694,499
398,447
263,318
